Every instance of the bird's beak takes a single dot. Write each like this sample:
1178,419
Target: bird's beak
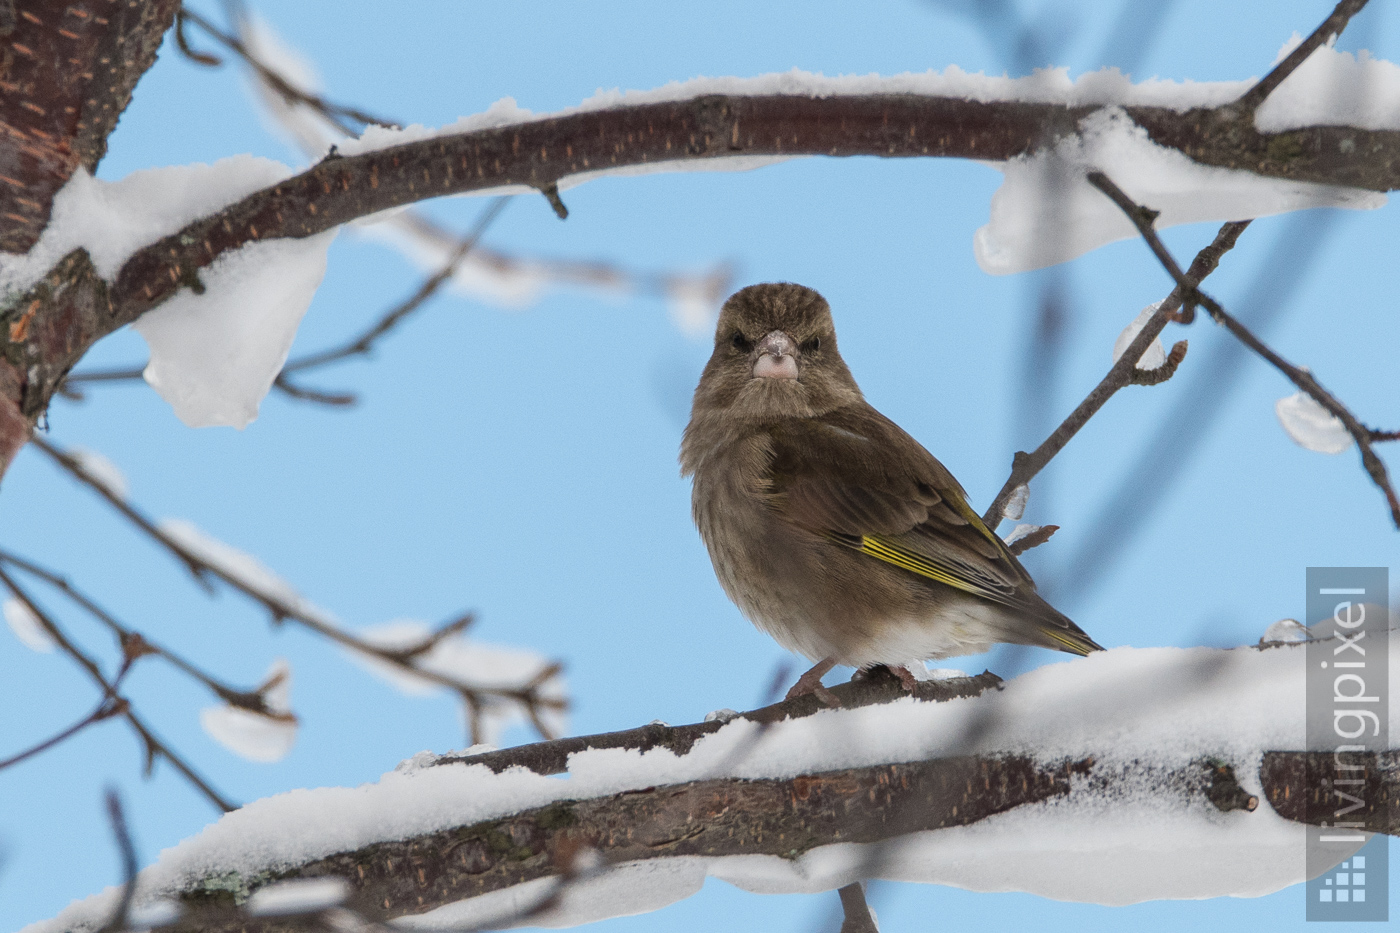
777,357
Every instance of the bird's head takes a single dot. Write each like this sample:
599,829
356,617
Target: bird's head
775,356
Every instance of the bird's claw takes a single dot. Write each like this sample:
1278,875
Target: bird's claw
906,677
811,683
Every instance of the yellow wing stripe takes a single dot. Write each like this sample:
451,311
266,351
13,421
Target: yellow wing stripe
1070,644
917,564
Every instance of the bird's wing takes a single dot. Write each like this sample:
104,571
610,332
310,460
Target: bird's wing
856,478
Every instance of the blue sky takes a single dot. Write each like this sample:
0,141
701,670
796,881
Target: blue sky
521,463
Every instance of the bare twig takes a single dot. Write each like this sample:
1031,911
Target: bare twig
153,746
855,911
182,42
74,466
364,343
1124,372
475,697
1034,539
1331,26
1142,218
135,645
110,705
343,117
127,849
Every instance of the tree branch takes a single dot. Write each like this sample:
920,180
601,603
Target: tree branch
1024,466
474,697
786,818
349,120
66,77
856,912
127,848
1332,26
135,645
1142,218
364,343
72,307
153,746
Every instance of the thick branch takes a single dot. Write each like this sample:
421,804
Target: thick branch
778,817
67,71
47,329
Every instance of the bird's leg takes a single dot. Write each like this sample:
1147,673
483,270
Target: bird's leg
906,676
811,682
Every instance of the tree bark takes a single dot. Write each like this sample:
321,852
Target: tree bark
727,816
543,152
67,70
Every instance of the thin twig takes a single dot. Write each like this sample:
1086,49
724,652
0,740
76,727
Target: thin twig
1032,540
364,343
153,746
1142,218
74,466
855,911
127,849
360,345
1025,466
343,117
1331,26
110,705
135,645
474,697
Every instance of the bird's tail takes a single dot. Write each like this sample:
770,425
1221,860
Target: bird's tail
1049,628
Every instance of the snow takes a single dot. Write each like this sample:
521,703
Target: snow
1310,425
694,301
480,665
1137,712
214,355
1154,356
113,219
251,735
298,896
27,627
1016,505
1021,531
1046,212
100,470
1285,630
1334,88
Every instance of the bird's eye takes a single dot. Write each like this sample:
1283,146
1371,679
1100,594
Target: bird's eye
741,343
812,345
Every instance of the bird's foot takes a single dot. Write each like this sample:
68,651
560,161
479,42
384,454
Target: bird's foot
906,676
811,683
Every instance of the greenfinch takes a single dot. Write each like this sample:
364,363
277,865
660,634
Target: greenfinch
831,528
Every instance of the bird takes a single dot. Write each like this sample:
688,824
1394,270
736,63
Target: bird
831,528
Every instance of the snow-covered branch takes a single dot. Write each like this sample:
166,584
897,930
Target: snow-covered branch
1131,775
68,75
1288,150
493,684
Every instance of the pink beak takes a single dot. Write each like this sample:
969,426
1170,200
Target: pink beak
777,357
